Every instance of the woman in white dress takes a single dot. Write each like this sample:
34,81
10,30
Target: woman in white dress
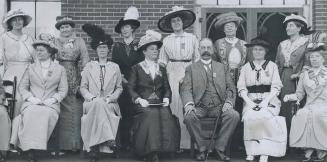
16,51
309,124
259,85
101,87
43,87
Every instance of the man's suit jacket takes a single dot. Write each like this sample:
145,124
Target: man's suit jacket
195,82
53,86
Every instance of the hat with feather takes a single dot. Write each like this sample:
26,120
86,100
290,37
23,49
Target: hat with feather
131,17
150,37
98,36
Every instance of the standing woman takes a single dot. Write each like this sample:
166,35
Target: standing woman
155,129
291,57
101,88
124,54
179,50
16,51
43,87
309,125
259,85
72,53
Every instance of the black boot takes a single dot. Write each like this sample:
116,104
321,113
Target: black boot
94,153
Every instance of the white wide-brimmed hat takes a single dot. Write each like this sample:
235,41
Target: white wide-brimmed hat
14,13
188,17
297,18
150,37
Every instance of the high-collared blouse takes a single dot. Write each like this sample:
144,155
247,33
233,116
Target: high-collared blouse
179,47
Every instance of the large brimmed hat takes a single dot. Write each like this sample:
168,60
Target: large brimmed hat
98,35
131,17
258,41
297,18
14,13
188,17
150,37
46,40
61,20
224,18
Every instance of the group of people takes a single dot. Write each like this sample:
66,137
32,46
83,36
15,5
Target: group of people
150,95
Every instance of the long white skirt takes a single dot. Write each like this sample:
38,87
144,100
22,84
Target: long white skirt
176,72
265,132
5,125
99,124
33,127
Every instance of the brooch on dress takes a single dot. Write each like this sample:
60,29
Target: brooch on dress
69,44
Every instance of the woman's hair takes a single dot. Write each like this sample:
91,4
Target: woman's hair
299,25
49,49
9,27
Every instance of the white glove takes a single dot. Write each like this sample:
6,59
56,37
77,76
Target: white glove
143,102
166,102
50,101
34,100
290,97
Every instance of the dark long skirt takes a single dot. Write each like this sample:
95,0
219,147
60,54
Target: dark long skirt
289,87
155,129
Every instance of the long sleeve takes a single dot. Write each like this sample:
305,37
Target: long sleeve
196,54
62,87
230,89
84,88
300,91
118,88
278,59
186,91
84,53
24,86
163,56
241,84
276,83
132,84
167,93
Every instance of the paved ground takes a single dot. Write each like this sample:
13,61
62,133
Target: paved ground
128,157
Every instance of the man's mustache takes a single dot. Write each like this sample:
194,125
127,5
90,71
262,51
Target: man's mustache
206,53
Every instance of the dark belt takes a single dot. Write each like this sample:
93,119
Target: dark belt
61,60
259,88
173,60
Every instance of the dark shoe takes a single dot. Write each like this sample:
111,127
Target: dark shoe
30,156
221,156
94,156
155,158
318,160
307,159
200,156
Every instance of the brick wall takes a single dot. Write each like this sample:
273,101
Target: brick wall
107,13
320,15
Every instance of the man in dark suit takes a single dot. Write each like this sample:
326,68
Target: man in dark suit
208,91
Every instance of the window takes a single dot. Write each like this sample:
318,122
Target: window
43,12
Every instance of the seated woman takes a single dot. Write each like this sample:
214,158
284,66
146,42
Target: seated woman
154,129
43,86
259,84
309,125
101,88
5,125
